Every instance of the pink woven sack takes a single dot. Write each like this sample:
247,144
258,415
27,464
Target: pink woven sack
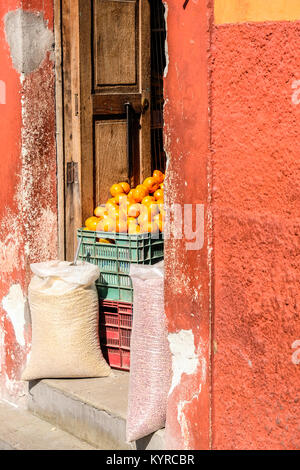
150,357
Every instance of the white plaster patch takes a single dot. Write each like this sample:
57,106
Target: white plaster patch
2,349
296,93
29,39
182,420
14,305
15,391
2,92
184,357
166,42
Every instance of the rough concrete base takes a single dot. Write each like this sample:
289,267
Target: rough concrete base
93,410
20,430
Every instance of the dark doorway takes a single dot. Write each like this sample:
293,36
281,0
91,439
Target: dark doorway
158,63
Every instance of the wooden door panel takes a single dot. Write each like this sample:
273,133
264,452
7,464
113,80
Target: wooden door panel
107,65
110,104
115,33
110,156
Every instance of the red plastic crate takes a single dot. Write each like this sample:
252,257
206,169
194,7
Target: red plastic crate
110,336
115,332
125,338
117,358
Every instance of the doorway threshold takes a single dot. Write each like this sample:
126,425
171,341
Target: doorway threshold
94,410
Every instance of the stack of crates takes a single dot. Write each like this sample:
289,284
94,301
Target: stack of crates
114,284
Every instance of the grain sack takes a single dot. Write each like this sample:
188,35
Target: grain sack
64,312
150,357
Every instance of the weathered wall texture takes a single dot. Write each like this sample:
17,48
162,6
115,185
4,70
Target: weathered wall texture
232,137
187,271
256,210
28,209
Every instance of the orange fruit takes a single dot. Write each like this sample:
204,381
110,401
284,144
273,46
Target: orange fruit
116,189
149,227
134,229
131,220
106,225
134,210
124,207
123,213
161,206
163,215
130,195
125,186
104,240
110,202
161,186
151,184
159,194
113,210
139,193
143,219
147,200
91,223
121,226
117,213
121,198
158,176
145,216
89,220
142,186
100,211
153,208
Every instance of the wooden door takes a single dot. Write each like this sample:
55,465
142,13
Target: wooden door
106,64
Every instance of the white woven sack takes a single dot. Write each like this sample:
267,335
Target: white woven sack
150,357
64,311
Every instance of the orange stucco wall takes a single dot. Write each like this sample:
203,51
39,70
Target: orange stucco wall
232,138
28,210
256,207
242,11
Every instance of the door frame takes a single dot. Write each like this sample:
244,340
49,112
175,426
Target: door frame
74,130
59,103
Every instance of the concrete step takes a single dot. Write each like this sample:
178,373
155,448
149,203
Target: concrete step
20,430
93,410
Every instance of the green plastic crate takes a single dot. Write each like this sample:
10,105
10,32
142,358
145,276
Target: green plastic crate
114,259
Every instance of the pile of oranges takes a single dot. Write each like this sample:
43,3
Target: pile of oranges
133,211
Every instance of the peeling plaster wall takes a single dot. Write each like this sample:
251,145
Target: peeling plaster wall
29,39
28,208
